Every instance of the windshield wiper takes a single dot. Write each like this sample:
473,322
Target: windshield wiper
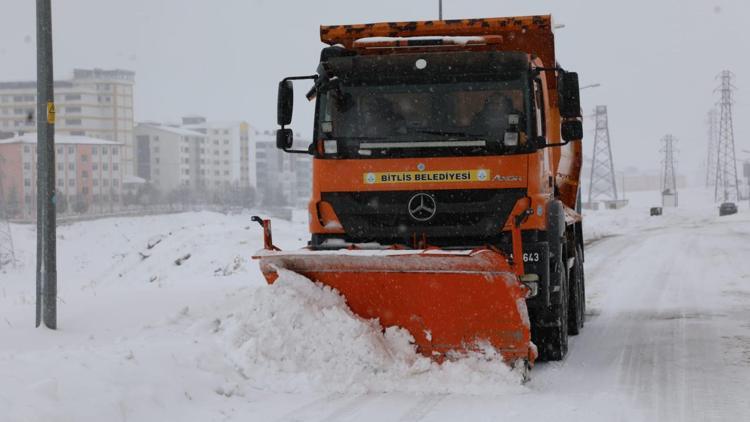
448,133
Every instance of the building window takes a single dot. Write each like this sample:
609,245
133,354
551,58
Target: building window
105,182
60,182
84,158
77,133
115,150
105,166
71,182
73,122
27,166
72,97
60,167
156,160
71,150
95,166
105,150
94,150
26,149
60,150
72,109
115,167
84,174
85,190
96,182
156,149
27,182
71,166
115,182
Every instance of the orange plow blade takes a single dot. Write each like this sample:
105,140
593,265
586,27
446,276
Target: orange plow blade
448,300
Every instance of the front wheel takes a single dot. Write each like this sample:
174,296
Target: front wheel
550,332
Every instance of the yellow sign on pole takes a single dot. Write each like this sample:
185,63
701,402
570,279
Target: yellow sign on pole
51,113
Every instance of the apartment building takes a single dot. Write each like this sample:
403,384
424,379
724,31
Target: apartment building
170,157
88,171
282,178
94,103
225,156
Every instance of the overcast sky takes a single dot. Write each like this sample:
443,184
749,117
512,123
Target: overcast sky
656,60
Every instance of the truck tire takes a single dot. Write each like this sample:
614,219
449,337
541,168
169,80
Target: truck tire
576,301
550,331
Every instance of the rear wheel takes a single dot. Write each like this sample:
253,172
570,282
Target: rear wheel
576,295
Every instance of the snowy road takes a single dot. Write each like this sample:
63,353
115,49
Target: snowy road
143,338
667,338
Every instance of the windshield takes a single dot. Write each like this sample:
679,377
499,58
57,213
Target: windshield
428,119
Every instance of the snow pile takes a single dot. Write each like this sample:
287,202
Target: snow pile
297,336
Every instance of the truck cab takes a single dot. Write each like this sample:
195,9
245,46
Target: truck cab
440,134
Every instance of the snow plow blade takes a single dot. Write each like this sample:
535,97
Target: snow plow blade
450,301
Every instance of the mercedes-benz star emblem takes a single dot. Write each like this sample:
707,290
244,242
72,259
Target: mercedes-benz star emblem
422,207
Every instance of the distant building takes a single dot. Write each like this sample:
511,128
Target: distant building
169,157
89,173
226,153
282,178
95,103
202,155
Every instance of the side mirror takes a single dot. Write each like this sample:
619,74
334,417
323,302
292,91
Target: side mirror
571,130
285,103
569,95
284,138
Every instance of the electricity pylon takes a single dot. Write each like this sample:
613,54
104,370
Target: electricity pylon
713,137
602,180
668,177
727,184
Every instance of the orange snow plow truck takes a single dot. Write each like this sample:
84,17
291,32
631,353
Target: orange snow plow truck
446,158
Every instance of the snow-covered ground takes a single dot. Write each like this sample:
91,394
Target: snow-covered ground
167,318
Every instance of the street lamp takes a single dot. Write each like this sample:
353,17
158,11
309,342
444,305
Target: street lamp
597,85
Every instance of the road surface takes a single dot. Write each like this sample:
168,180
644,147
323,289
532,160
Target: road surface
667,338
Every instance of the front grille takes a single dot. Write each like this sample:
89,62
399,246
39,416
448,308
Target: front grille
462,216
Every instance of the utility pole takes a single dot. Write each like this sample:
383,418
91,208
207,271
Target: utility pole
440,9
46,258
727,184
602,181
713,125
668,178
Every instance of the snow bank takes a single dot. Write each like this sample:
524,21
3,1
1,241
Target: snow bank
297,336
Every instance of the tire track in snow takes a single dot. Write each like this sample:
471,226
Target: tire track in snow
300,413
422,408
348,409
